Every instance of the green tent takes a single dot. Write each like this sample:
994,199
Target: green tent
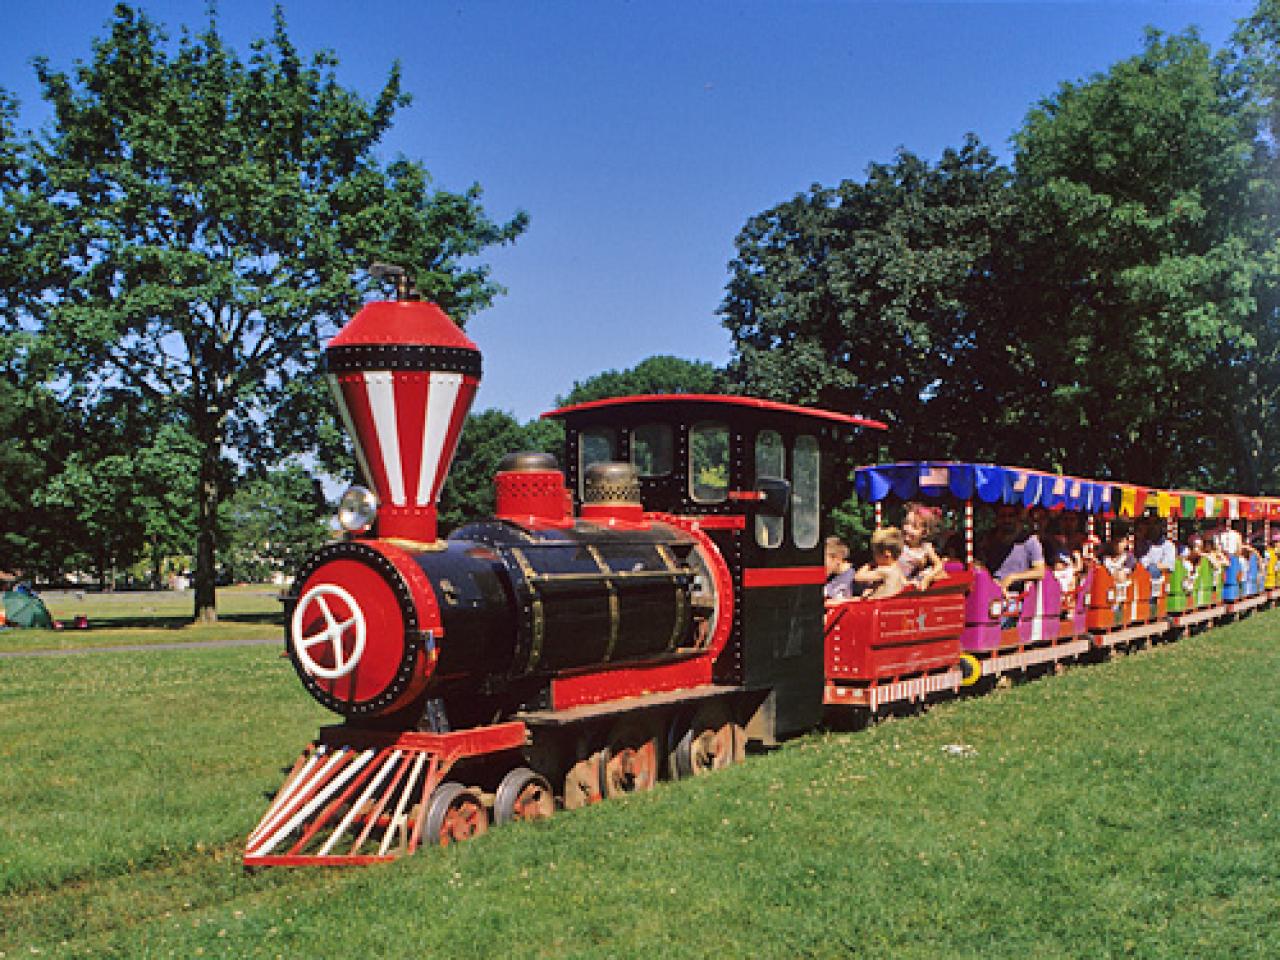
25,610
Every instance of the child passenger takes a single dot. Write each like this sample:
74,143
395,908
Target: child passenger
883,574
839,585
920,563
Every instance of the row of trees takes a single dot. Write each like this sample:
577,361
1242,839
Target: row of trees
192,226
1105,304
175,248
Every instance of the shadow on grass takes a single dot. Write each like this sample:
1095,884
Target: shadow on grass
177,622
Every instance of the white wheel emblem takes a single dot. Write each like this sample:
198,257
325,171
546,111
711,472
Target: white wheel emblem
332,633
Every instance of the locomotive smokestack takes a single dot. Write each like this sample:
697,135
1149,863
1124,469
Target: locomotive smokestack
404,376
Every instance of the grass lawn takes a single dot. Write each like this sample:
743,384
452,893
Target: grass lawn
1125,809
245,612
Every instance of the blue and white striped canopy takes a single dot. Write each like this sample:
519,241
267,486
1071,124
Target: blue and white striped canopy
930,479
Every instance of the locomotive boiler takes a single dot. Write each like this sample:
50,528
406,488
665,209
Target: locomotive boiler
395,626
474,629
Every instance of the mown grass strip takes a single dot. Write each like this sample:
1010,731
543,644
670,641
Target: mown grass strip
1123,809
123,619
109,762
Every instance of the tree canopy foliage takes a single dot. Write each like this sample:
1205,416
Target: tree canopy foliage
194,222
1105,304
486,438
271,524
658,374
207,220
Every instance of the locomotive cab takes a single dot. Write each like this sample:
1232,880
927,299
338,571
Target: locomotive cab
757,477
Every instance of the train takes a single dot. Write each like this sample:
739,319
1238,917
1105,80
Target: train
649,609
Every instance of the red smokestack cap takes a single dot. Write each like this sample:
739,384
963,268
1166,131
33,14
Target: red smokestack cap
404,377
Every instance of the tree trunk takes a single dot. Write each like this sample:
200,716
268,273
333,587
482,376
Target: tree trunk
155,563
207,524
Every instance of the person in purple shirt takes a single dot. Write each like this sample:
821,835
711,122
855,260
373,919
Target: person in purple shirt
1013,555
840,572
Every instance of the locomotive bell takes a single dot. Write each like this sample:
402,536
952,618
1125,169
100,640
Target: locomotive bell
403,375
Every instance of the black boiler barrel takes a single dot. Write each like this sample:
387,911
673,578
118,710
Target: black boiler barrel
520,602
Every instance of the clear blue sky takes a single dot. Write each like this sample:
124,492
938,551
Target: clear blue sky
641,136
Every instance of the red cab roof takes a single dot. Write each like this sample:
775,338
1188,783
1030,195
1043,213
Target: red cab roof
751,402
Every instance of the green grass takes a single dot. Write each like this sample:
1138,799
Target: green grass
250,612
1126,809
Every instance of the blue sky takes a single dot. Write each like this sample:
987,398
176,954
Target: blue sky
640,136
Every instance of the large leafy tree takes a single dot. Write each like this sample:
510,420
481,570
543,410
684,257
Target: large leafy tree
214,220
1109,305
1254,76
1139,183
33,426
120,489
861,297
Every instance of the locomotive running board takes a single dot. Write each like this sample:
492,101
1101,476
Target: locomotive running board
360,790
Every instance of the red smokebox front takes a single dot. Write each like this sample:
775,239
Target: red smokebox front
404,376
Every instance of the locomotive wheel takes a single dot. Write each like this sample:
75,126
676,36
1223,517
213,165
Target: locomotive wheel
582,783
523,795
711,741
630,761
455,814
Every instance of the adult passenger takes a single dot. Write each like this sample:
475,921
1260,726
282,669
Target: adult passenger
1229,540
1154,549
1012,554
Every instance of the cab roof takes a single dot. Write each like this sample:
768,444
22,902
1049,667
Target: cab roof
721,400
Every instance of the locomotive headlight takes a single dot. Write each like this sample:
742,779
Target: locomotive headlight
357,510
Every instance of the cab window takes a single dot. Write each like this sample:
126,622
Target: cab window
805,463
709,462
653,449
771,461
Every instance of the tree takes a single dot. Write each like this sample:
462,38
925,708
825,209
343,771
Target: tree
861,297
1138,183
163,467
1254,77
214,220
486,438
658,374
1108,307
273,522
35,538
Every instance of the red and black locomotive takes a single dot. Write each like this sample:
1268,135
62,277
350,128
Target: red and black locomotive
643,613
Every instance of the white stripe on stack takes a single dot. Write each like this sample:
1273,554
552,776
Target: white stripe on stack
442,402
336,389
382,403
